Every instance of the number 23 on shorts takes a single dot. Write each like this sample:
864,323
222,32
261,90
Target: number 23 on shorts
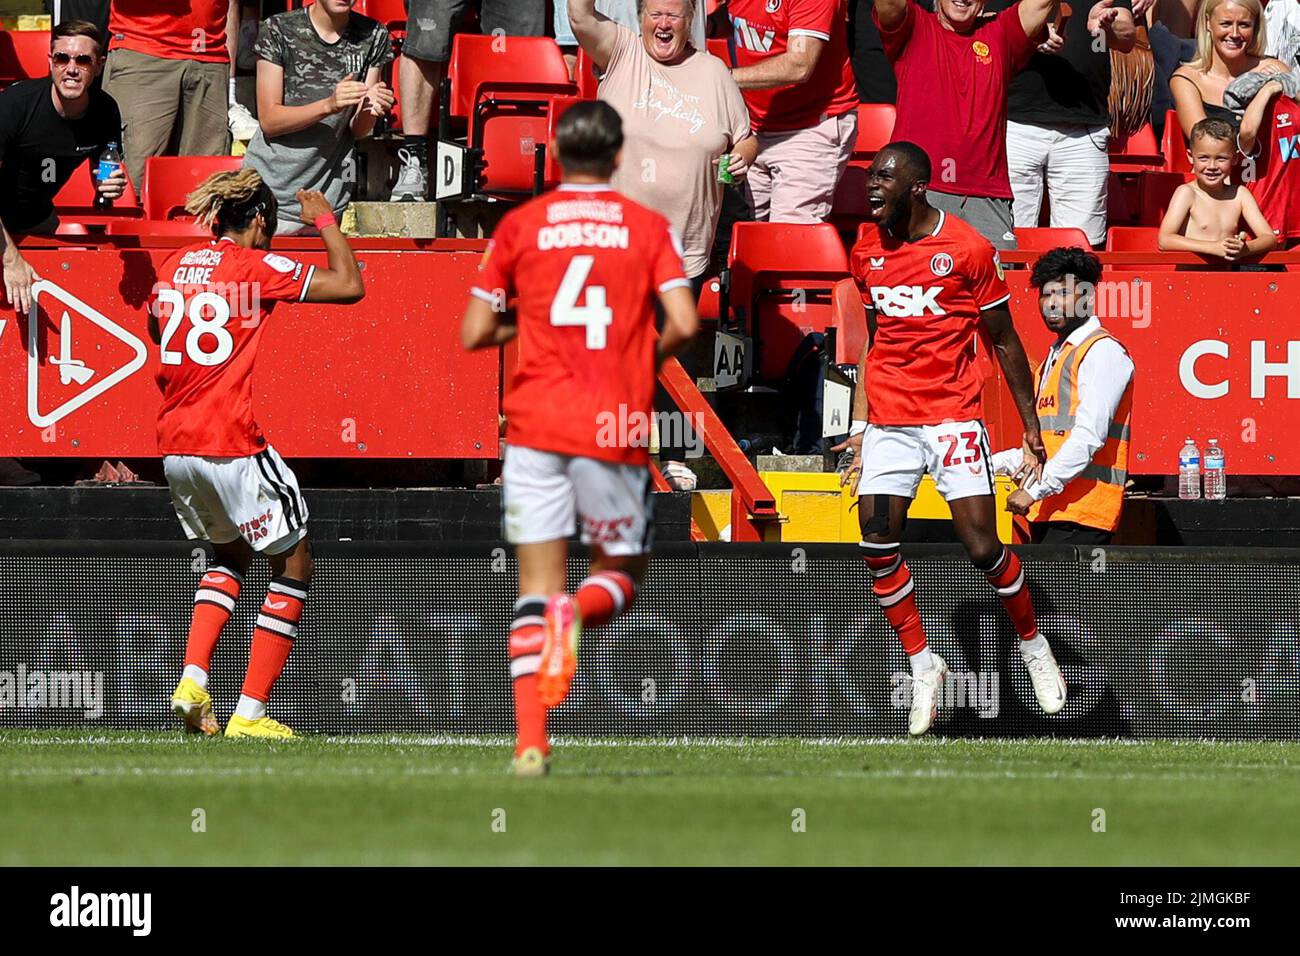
953,455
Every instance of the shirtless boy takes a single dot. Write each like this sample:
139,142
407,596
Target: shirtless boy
1205,215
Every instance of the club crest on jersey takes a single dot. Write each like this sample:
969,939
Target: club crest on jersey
279,263
941,264
907,301
877,263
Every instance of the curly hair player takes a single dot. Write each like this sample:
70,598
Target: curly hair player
228,485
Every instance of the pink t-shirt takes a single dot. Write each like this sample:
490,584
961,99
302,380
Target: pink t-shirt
676,121
952,96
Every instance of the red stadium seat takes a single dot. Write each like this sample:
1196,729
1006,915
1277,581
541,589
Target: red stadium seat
710,305
24,55
1136,151
721,48
558,107
385,11
587,80
849,318
849,206
168,180
153,227
1041,239
77,197
1155,189
1174,146
781,279
1135,239
1131,239
875,127
504,70
501,90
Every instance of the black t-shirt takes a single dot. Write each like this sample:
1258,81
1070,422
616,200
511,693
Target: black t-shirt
871,68
1067,88
40,150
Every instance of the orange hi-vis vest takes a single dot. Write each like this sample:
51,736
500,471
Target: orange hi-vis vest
1096,496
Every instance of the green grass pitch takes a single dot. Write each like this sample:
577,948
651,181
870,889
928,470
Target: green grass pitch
78,798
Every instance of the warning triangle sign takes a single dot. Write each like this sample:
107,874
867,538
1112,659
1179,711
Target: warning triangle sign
80,365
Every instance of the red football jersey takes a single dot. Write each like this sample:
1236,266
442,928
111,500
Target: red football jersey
1276,180
587,265
171,31
212,301
927,296
762,29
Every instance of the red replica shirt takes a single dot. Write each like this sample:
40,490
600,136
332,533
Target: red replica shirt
763,28
587,265
962,79
1276,181
928,295
195,30
212,301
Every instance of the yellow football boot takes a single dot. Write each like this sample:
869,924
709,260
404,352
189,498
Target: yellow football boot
263,727
193,705
531,763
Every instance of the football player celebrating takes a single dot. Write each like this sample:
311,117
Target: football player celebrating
588,267
228,485
929,280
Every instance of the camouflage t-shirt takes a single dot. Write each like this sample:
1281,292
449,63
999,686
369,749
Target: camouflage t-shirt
322,155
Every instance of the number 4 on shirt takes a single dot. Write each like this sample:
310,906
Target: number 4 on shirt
594,315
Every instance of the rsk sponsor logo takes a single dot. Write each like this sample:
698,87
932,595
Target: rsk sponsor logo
907,301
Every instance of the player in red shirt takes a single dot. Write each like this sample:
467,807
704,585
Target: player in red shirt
587,266
930,283
228,485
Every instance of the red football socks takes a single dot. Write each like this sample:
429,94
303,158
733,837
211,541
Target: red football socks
526,638
1008,579
894,589
277,625
604,596
214,602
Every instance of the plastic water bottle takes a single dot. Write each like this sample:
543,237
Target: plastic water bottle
110,161
1189,471
1216,478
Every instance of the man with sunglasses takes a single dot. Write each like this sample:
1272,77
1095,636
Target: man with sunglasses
49,128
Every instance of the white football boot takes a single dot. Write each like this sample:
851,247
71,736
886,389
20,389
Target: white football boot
927,687
1049,685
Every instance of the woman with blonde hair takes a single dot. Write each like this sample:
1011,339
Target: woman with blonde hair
1230,42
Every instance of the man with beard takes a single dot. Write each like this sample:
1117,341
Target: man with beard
1085,406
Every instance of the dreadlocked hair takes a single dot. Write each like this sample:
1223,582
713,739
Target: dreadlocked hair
229,201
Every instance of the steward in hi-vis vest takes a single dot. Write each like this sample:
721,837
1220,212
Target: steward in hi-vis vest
1084,400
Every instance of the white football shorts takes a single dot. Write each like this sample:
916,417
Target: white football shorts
956,454
544,495
222,499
